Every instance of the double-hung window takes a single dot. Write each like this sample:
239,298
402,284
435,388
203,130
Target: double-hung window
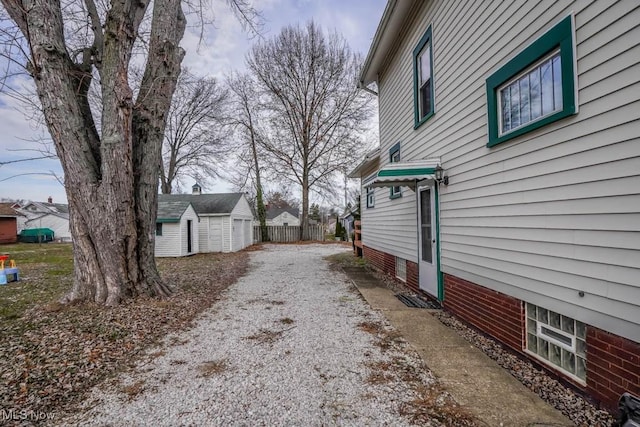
535,88
394,157
423,79
158,229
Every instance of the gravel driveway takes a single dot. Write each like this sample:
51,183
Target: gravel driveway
288,344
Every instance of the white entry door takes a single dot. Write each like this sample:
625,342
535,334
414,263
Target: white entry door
428,262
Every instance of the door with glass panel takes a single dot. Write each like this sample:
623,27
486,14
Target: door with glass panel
427,248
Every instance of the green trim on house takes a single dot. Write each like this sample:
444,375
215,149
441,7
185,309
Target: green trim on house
393,150
168,220
426,39
438,270
561,36
406,172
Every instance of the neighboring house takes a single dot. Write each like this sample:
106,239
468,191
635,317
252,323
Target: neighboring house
47,215
282,216
507,182
225,220
347,219
176,229
8,223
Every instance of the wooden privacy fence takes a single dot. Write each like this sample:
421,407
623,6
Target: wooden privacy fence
288,233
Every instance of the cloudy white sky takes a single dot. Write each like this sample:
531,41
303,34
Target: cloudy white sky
223,50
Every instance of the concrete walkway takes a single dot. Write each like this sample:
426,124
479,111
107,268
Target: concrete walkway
474,380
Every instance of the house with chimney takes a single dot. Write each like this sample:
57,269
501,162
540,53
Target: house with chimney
47,215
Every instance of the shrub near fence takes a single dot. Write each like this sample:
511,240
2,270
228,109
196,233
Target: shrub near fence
285,234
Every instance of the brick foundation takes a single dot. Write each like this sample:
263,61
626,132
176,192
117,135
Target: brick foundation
494,313
613,367
613,362
386,263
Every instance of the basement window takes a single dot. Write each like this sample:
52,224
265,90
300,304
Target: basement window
557,340
401,269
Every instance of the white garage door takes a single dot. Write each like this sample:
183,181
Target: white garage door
238,238
248,238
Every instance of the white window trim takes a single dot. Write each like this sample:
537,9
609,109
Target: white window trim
547,362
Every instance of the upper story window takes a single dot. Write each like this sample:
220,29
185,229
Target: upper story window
423,79
535,88
394,157
371,197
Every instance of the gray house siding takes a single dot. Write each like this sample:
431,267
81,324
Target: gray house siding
545,215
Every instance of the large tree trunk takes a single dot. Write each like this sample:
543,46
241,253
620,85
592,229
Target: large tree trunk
110,179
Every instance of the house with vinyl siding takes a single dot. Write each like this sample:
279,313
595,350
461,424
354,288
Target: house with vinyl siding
282,216
507,181
225,220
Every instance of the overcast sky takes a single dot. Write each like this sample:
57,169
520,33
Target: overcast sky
223,51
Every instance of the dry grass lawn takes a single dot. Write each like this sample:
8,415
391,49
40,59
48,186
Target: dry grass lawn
52,354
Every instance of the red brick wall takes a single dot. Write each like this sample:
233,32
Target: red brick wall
380,260
412,277
8,230
496,314
613,367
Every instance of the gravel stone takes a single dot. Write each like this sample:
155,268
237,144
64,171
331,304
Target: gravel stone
282,347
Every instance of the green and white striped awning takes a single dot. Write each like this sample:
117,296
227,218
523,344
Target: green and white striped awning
403,174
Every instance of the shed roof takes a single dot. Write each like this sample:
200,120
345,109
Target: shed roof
7,210
171,210
203,204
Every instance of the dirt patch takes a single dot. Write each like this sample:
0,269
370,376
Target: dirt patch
267,336
213,367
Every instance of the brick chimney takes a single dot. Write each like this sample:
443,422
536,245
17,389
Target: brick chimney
50,199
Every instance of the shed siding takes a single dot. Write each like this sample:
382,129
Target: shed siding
548,213
189,214
168,245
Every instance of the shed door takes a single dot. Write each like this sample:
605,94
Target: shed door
215,234
189,236
238,238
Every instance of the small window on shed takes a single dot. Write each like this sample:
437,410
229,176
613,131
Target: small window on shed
158,229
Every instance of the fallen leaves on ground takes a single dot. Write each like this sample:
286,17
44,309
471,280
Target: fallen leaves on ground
54,354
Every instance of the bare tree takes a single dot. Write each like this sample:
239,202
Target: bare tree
245,119
195,136
282,199
111,171
317,112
